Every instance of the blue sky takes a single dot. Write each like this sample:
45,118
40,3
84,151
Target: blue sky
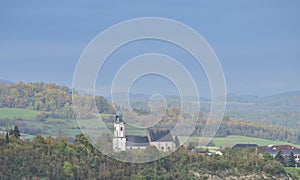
257,42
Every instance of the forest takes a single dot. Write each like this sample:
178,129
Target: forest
237,127
44,97
49,158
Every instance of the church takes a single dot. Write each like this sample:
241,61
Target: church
158,137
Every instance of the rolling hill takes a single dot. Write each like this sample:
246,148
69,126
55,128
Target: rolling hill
41,108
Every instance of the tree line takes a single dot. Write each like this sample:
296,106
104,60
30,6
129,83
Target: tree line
51,158
258,130
236,127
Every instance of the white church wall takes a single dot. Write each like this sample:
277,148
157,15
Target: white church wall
164,146
119,144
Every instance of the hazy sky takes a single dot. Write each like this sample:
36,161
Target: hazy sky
257,42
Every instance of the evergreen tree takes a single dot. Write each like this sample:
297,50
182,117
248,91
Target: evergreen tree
7,138
11,132
177,144
17,131
191,146
279,157
291,161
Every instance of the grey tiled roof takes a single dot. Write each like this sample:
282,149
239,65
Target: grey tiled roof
160,135
132,140
244,146
284,151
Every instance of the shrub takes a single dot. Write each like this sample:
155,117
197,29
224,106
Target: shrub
273,168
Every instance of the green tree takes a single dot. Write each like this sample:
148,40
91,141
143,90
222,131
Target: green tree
279,157
17,131
177,144
267,157
191,146
273,168
11,132
68,169
82,139
291,161
7,138
104,143
2,140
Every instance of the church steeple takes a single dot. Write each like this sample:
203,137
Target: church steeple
119,140
118,119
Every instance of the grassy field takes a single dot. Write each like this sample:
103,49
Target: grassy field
28,123
294,172
229,141
14,113
26,119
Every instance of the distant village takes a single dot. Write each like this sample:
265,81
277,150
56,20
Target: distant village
283,153
162,139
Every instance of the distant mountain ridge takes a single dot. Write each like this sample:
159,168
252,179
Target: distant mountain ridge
285,94
230,96
281,109
6,81
288,101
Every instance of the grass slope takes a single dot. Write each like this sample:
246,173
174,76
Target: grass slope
293,172
56,126
13,113
229,141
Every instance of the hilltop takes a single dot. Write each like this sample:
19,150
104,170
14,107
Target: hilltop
41,108
47,97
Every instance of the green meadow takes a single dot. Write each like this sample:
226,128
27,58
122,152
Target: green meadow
229,141
14,113
28,122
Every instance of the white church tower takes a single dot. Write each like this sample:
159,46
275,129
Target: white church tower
119,140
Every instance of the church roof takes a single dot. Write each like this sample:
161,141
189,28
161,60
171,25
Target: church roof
282,147
243,146
159,135
132,140
118,119
286,149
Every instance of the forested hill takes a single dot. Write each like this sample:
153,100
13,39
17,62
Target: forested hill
47,97
50,159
